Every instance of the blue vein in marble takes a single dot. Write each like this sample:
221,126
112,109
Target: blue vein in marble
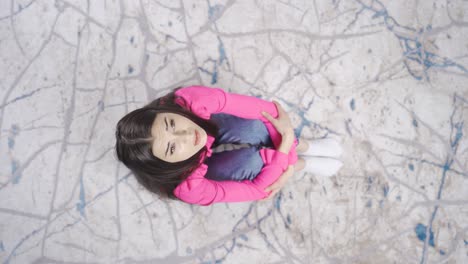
214,77
21,97
222,52
13,251
421,231
369,180
101,105
301,113
11,137
385,189
459,134
278,200
434,164
11,142
214,11
214,74
352,104
15,175
222,58
2,248
304,122
82,203
458,126
34,232
20,9
436,208
214,262
412,47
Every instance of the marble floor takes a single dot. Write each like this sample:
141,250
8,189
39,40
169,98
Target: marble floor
388,77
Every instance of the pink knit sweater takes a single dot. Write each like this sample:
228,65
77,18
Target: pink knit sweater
204,101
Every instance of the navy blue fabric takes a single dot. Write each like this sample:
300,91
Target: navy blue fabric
240,164
237,165
233,129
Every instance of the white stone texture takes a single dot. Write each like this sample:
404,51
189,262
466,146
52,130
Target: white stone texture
388,77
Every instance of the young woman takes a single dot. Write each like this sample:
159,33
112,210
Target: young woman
173,145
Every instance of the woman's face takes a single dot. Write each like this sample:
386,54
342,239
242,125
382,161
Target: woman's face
177,138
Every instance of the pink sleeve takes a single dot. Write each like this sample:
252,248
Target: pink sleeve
205,101
196,189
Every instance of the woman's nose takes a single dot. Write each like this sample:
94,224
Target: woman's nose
181,132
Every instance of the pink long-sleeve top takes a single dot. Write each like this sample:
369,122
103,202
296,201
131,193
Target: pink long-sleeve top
204,101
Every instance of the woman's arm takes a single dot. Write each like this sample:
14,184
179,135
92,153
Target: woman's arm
205,101
283,126
198,190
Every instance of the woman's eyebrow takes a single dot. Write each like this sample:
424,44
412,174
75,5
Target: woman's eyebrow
165,155
167,148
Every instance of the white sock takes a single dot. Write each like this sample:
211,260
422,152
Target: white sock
322,166
326,147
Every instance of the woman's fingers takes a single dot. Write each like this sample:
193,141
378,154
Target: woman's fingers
277,184
279,107
289,172
267,116
271,119
271,195
280,112
282,123
283,116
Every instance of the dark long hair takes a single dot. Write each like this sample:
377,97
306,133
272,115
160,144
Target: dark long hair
134,141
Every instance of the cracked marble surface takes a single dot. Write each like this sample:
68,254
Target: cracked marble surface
389,77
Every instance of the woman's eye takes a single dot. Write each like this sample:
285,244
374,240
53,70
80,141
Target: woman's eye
172,149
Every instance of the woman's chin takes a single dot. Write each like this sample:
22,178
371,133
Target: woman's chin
203,138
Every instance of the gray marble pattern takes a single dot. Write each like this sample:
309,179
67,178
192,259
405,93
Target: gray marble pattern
388,77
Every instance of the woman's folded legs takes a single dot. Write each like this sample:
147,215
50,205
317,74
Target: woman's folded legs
320,155
322,166
325,147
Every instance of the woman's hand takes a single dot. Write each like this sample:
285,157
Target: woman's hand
284,127
279,183
282,123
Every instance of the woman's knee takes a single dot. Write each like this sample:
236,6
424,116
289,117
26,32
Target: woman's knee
303,146
300,165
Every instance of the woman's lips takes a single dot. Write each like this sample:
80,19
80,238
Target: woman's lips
197,138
